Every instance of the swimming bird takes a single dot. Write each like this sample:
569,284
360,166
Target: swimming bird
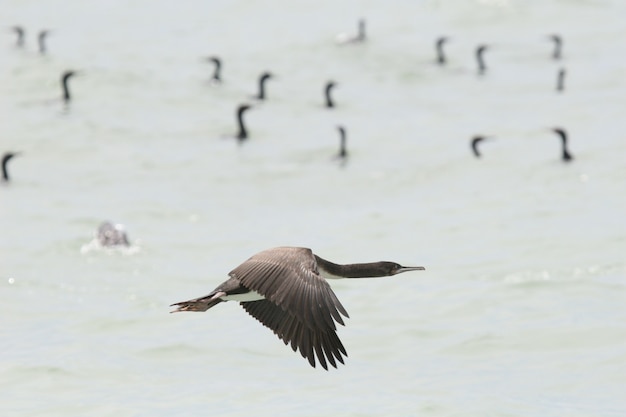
480,50
64,83
560,83
20,36
329,101
285,289
343,151
565,155
41,40
218,68
264,77
441,58
5,160
110,234
243,133
558,46
344,38
475,141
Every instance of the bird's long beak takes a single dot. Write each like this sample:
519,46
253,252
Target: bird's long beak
409,268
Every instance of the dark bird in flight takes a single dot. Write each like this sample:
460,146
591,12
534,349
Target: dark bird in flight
286,290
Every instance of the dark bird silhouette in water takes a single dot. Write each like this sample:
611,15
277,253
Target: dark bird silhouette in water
441,57
344,38
286,290
264,77
343,150
5,160
64,83
218,69
480,50
558,46
41,40
565,155
329,101
110,234
21,35
243,133
475,141
560,83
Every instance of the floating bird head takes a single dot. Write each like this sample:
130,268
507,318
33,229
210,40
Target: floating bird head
265,76
242,108
441,40
110,234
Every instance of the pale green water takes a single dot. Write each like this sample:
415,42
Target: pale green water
521,310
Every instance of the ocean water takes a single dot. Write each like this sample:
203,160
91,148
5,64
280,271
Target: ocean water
521,310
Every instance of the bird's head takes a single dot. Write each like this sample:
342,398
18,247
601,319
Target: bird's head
393,268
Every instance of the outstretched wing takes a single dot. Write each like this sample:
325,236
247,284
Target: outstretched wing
307,307
323,343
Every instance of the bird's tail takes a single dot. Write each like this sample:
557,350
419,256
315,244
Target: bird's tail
199,304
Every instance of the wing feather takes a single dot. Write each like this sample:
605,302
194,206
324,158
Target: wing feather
312,343
289,278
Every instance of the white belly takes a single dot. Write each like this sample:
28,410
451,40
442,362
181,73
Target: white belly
250,296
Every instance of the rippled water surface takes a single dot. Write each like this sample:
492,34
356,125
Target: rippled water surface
521,310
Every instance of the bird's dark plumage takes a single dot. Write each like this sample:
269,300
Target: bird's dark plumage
284,288
5,160
480,50
343,150
262,79
218,68
566,156
560,83
329,101
475,141
558,46
64,84
243,132
20,32
441,57
41,40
